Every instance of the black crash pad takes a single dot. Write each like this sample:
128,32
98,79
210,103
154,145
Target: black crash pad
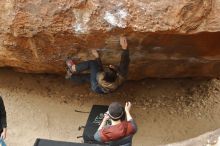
94,120
45,142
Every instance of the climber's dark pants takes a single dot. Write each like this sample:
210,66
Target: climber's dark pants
94,68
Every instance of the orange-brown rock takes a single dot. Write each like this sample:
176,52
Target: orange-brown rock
166,38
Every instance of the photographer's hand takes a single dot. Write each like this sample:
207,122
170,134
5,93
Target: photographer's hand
127,110
105,119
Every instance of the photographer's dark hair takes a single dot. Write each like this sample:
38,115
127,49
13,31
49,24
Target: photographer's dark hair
110,75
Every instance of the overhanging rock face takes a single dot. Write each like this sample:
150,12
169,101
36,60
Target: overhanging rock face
166,38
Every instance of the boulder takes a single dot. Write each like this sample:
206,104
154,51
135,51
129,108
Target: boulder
167,39
208,139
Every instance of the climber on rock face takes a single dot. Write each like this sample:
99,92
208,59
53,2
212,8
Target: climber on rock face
103,80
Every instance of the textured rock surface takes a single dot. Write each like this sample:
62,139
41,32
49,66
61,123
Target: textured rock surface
164,36
208,139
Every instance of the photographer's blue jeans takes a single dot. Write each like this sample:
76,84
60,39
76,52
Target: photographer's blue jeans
94,68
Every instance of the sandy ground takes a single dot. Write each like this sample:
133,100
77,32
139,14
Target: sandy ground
166,111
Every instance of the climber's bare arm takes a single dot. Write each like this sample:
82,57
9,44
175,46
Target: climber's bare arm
125,59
